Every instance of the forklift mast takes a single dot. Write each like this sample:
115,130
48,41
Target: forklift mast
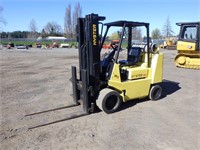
86,88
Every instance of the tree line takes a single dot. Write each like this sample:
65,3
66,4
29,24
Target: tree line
155,34
51,28
167,31
16,34
69,29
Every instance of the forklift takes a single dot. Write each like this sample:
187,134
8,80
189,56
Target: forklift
106,82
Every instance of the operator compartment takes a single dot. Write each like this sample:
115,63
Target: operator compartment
134,67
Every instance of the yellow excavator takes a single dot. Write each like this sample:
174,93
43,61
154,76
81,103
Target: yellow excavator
188,45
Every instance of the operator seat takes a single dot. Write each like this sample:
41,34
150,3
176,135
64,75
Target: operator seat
134,55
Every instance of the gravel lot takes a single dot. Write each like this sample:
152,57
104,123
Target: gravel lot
33,80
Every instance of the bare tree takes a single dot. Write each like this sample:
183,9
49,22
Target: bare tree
52,28
137,34
33,28
156,34
167,28
43,34
2,20
115,35
77,13
70,21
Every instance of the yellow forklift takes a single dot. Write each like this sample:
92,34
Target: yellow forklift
107,82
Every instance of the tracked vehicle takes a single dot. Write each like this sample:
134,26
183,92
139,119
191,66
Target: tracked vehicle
188,46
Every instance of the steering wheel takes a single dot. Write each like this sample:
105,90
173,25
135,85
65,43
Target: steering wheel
114,46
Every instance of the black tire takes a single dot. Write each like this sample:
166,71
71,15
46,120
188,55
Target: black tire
109,100
155,92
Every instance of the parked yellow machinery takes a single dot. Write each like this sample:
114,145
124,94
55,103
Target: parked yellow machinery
188,46
169,43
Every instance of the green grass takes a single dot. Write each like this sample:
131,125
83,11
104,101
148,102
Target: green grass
33,43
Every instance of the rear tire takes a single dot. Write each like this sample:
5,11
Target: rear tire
155,92
109,100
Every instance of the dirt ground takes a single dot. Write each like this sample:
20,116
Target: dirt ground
33,80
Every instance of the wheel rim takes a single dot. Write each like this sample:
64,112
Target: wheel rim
111,102
157,93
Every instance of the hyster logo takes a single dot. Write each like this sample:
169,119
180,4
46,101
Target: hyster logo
94,34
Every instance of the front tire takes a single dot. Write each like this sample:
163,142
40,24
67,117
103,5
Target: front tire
155,92
109,100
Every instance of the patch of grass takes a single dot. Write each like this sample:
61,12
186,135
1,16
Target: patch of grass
73,44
